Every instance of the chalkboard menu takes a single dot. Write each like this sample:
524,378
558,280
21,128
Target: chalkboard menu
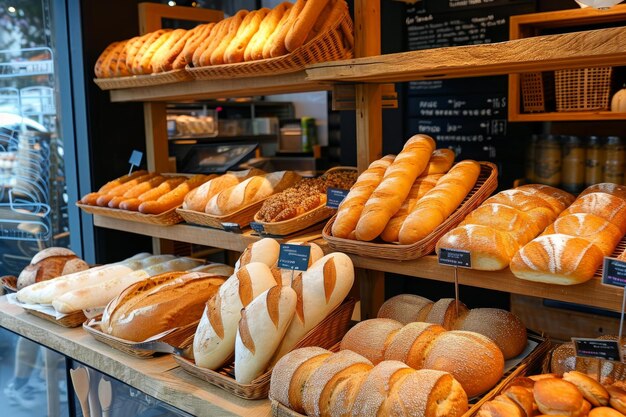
467,115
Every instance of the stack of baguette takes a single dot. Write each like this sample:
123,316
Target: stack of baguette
504,328
406,197
320,383
575,395
246,36
259,315
148,193
473,359
571,250
495,231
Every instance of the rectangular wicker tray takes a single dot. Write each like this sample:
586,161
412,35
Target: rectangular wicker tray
167,218
176,339
241,217
326,334
169,77
532,362
74,319
485,185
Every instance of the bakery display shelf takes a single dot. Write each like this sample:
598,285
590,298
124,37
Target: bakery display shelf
600,47
159,377
566,116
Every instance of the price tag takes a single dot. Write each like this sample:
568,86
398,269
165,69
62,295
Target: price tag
607,350
231,227
614,272
257,227
455,257
334,197
295,257
135,159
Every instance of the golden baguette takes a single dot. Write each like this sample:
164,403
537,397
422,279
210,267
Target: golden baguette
254,50
202,56
303,24
278,47
169,57
269,43
191,45
249,27
156,63
148,40
110,63
99,66
145,63
217,55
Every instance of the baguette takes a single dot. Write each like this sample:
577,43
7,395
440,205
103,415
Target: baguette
250,191
351,207
169,57
261,328
134,49
303,24
103,200
202,56
268,45
145,64
249,27
110,64
91,198
387,198
121,70
137,190
148,40
214,342
277,45
254,50
440,202
153,194
218,54
166,49
99,67
330,15
198,198
173,198
200,33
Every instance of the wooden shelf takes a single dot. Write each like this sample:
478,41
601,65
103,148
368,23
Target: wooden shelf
574,116
601,47
295,82
160,377
591,293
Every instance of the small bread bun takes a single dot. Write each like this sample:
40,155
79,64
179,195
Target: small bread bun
522,397
521,381
605,412
557,397
405,308
473,359
444,313
370,338
499,409
617,398
412,343
504,328
563,359
593,392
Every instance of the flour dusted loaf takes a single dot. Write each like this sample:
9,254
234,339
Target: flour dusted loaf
50,263
198,198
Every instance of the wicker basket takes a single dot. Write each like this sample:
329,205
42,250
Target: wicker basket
75,319
583,89
327,334
486,184
335,44
133,81
529,364
241,217
9,284
177,339
537,92
167,218
303,221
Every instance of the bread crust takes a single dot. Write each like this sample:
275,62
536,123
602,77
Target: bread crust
254,49
249,27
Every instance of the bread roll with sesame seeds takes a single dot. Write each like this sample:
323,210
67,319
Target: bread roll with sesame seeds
405,308
370,338
445,313
412,343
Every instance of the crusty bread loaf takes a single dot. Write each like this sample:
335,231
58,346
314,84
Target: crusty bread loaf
617,398
262,326
265,251
147,59
254,50
99,66
320,290
136,66
351,207
109,66
50,263
211,39
602,233
249,192
172,304
370,338
412,343
168,57
120,190
276,44
440,202
490,249
214,342
389,195
517,223
559,199
542,212
249,27
557,259
445,312
215,269
617,190
235,22
137,190
198,198
440,162
303,24
604,205
135,48
420,187
164,51
193,46
330,16
405,308
343,395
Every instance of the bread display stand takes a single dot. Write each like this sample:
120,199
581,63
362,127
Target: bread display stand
9,284
327,334
166,342
148,80
47,312
166,218
485,185
528,362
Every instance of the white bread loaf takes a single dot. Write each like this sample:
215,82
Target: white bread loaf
320,290
517,223
440,202
214,342
351,207
617,190
370,338
405,308
265,251
261,328
99,295
602,233
215,269
389,195
50,263
557,259
604,205
198,198
249,192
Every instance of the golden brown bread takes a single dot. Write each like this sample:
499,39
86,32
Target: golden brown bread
137,64
148,57
137,190
192,46
173,198
104,198
133,50
99,66
617,398
522,397
604,205
169,56
542,212
405,308
556,396
303,24
110,63
440,161
254,50
517,223
202,55
605,412
329,17
218,56
370,338
591,389
617,190
164,52
249,27
152,194
412,343
92,198
276,42
602,233
121,70
50,263
445,312
559,199
198,198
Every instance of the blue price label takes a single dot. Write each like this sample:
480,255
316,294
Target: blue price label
608,350
294,257
232,227
334,197
455,257
614,272
135,158
257,227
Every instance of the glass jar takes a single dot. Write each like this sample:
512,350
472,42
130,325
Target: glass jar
548,161
594,161
614,163
573,164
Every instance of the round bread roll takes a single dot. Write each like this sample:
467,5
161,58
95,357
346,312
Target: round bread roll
426,393
291,373
557,259
557,397
473,360
405,308
370,338
617,398
319,387
504,219
606,187
559,199
592,390
602,233
444,313
50,263
412,343
607,206
522,397
499,409
504,328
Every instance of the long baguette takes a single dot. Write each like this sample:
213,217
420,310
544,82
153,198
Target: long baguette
104,199
99,66
110,64
166,49
329,16
254,50
91,198
175,197
135,66
202,55
137,190
169,58
249,27
121,70
303,24
388,197
440,202
200,33
218,54
269,43
278,47
145,65
134,49
153,194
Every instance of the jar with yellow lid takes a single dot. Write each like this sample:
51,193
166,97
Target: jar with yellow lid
548,161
